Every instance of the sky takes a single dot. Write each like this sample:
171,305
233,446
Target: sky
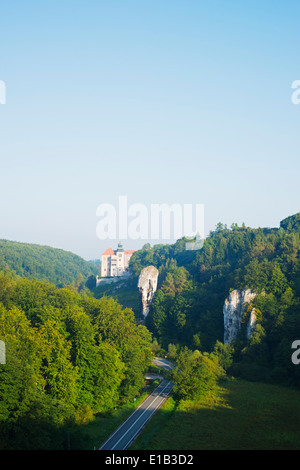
161,101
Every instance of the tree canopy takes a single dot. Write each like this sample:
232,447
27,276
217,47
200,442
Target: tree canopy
188,307
39,262
68,357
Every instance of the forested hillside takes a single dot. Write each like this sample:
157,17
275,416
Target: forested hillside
68,356
193,285
44,263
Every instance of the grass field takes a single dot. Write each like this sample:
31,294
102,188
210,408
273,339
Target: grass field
124,291
243,415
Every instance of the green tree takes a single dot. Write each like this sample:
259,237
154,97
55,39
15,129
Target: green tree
278,283
172,351
224,353
196,375
60,376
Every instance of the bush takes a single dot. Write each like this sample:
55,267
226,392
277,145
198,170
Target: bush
196,375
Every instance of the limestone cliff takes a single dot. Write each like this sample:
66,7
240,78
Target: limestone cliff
252,323
147,286
233,310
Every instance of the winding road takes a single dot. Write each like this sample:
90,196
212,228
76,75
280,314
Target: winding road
129,429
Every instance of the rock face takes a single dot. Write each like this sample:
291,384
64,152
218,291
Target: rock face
233,310
147,286
251,324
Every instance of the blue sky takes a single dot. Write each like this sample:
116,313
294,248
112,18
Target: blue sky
164,101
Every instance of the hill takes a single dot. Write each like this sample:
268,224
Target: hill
193,285
43,262
125,291
68,358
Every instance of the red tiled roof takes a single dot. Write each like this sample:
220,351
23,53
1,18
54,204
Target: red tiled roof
111,252
108,252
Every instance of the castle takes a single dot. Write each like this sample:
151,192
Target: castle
115,263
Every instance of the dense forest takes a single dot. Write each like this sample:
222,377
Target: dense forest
71,355
44,263
68,356
188,307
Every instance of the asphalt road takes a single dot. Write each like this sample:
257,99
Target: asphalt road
129,429
163,363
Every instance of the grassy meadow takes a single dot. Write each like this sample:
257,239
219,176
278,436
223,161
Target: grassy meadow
241,415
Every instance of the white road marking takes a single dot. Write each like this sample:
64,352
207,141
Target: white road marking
152,402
